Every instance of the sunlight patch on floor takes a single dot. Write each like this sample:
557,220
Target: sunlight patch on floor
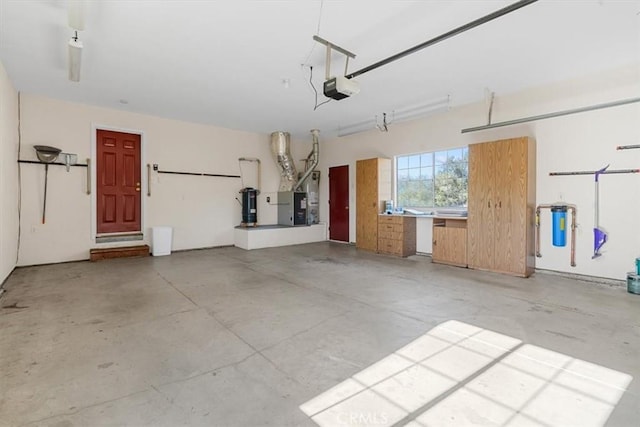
459,374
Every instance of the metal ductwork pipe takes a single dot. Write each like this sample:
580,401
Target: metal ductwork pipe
280,147
312,159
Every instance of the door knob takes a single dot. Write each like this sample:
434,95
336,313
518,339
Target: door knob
346,207
137,186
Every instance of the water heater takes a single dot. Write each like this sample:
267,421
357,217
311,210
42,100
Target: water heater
249,206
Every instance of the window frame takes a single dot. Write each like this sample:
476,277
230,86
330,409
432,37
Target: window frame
463,157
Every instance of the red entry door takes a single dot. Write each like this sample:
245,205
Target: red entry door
118,182
339,203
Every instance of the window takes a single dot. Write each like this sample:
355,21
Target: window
437,179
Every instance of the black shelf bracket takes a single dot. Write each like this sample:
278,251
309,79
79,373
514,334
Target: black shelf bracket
200,174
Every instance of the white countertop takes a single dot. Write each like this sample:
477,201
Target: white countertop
427,216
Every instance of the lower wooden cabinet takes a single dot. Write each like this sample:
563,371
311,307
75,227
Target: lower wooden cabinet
450,241
396,235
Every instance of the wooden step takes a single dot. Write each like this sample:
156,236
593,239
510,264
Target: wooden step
120,252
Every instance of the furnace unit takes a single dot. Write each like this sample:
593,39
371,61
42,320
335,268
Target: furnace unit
311,186
292,208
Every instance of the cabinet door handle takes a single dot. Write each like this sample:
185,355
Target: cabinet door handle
434,242
489,203
500,204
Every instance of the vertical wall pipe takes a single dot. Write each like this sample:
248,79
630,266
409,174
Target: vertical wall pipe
313,158
574,214
253,159
148,180
88,176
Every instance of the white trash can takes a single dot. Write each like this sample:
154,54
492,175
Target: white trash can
161,240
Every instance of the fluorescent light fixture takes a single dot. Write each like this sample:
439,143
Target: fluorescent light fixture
75,59
76,11
404,114
421,110
362,126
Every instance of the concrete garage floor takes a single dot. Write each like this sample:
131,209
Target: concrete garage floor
233,337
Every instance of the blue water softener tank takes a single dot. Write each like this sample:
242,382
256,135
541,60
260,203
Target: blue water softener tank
559,220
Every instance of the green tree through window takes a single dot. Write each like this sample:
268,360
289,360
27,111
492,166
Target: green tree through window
436,179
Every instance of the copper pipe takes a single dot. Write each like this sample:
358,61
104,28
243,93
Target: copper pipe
312,158
538,254
574,214
252,159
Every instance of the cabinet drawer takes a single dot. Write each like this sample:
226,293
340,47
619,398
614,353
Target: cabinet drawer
389,219
390,235
389,246
390,228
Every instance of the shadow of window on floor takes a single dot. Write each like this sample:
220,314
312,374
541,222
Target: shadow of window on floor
459,374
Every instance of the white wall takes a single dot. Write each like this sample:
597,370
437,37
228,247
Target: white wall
584,141
202,210
8,175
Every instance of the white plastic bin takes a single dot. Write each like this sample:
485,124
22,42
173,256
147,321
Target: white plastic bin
161,240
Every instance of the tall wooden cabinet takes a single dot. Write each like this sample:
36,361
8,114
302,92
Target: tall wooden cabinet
373,187
500,225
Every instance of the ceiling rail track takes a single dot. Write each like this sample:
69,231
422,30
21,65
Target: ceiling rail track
480,21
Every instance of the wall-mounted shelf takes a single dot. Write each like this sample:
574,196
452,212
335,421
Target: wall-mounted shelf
37,162
77,165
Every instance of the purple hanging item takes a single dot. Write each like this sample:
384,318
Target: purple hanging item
599,235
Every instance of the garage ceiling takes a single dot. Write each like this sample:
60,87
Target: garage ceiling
223,62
